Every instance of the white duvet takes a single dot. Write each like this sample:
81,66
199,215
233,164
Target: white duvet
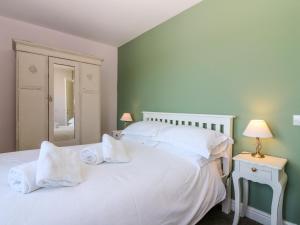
155,188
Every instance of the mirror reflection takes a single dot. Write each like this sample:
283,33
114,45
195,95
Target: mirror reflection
64,118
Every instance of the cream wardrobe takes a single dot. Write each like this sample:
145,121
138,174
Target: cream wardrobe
58,96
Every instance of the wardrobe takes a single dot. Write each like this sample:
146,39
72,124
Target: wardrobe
57,96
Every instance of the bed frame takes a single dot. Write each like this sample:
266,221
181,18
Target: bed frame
221,123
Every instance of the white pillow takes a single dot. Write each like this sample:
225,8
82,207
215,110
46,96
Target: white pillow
219,152
144,128
198,159
148,141
194,140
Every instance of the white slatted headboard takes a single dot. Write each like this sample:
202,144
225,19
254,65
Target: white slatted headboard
221,123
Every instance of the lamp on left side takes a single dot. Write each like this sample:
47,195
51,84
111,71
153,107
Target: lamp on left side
126,118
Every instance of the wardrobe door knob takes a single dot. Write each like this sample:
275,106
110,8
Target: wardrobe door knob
253,169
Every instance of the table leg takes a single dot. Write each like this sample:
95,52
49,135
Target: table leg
237,191
277,201
245,197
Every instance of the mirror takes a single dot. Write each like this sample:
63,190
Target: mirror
64,104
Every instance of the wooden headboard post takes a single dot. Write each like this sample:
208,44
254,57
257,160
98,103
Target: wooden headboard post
220,123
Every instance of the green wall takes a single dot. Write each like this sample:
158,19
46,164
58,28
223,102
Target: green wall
225,57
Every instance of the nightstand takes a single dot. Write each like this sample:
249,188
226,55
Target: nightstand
117,134
268,170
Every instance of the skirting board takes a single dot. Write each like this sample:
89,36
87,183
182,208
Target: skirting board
259,216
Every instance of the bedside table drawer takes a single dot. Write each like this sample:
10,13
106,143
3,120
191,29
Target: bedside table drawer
260,172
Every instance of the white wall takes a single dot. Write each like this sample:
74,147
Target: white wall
9,29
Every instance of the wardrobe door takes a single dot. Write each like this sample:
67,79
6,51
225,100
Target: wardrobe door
64,104
90,103
32,100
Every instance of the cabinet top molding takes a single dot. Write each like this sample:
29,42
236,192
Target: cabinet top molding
27,46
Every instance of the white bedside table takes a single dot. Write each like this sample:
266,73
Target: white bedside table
117,134
268,170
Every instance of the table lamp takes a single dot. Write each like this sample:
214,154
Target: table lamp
126,118
258,129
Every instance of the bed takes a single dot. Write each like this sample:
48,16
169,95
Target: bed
156,187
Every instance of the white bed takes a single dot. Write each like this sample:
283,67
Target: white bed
156,187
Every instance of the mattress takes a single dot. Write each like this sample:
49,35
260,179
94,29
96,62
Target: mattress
155,188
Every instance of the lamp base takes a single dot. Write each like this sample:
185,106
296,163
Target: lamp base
257,155
126,124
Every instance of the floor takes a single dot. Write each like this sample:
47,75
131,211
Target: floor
216,217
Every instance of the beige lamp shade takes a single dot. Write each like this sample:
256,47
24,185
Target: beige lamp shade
126,117
258,129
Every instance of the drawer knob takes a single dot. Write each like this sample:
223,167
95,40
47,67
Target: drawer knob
253,169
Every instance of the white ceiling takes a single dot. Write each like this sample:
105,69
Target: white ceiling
113,22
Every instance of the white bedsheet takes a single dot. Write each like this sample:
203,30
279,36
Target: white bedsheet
155,188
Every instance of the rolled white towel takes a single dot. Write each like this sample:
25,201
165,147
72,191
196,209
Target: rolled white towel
22,178
92,154
113,150
57,166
